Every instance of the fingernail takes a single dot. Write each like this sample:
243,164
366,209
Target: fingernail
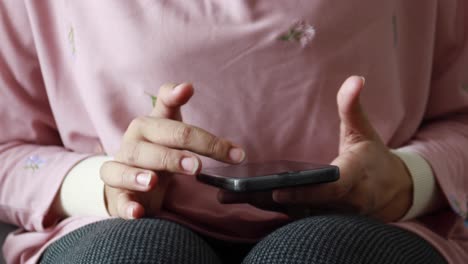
189,164
363,80
130,210
143,178
236,154
177,89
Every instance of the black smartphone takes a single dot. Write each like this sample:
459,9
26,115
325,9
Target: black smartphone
251,177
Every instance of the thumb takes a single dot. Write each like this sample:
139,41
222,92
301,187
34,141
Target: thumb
355,126
169,100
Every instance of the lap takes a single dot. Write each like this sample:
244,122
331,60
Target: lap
318,239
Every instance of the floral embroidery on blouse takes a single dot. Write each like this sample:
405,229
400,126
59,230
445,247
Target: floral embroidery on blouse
301,32
34,163
71,40
153,98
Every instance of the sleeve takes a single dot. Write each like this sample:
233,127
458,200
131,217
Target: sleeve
33,161
425,191
82,191
442,140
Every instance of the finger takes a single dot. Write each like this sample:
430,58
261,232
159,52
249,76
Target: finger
311,195
170,98
155,157
118,175
128,207
175,134
355,126
318,194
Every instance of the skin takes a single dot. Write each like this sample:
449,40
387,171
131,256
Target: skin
135,182
373,181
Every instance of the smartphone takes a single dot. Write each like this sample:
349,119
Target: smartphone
251,177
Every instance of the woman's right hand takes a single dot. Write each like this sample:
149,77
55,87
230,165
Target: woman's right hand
153,148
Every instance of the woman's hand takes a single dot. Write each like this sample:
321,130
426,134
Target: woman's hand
373,181
153,148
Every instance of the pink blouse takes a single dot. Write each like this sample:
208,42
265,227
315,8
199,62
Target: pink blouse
73,74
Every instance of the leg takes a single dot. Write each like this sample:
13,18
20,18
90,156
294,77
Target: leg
136,241
342,239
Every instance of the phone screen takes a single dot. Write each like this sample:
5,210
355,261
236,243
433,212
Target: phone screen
261,169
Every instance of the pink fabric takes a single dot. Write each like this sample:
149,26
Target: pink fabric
74,73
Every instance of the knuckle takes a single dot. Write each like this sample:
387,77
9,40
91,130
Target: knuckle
135,152
125,177
129,152
183,135
165,157
170,161
216,146
135,126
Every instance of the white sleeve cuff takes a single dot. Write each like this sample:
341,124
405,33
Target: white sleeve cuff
82,191
424,184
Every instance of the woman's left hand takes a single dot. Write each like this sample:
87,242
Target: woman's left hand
373,181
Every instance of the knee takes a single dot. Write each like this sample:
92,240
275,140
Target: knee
340,239
301,240
135,241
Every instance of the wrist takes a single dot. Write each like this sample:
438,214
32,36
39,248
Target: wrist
426,195
403,197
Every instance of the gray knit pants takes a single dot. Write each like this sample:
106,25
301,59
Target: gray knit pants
318,239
